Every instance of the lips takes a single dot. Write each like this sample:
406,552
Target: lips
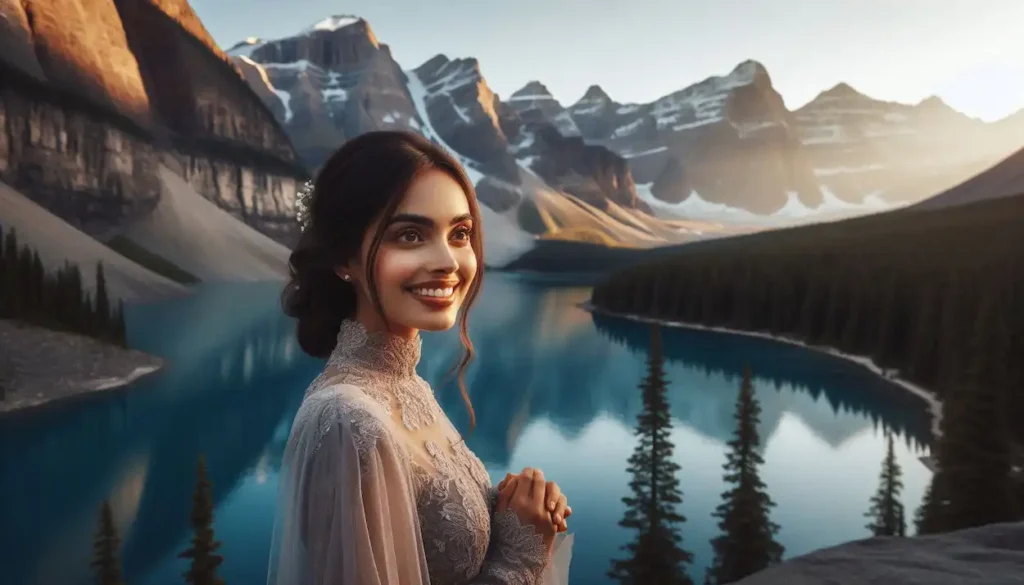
436,290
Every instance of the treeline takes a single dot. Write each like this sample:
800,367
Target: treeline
905,289
202,554
746,541
775,365
55,299
936,297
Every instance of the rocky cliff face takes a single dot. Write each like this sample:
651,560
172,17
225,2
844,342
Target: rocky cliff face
331,82
534,103
91,172
94,94
858,145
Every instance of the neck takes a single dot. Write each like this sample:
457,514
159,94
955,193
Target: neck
374,324
380,351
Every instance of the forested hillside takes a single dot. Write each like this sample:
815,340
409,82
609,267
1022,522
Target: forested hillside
907,289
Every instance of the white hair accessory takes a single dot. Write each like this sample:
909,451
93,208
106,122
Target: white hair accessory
302,202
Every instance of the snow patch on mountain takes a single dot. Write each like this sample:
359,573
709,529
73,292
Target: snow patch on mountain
333,23
794,211
702,103
504,240
534,100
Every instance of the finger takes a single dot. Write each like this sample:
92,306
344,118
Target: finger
562,526
508,476
568,511
509,487
558,514
524,483
504,498
551,494
538,487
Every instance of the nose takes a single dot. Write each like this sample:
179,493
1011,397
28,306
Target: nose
443,259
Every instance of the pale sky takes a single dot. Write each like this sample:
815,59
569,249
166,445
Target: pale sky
969,52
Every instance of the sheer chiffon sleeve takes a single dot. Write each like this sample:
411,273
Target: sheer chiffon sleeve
347,513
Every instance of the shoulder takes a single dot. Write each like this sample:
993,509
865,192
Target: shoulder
341,415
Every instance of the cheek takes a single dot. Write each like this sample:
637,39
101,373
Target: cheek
395,268
467,262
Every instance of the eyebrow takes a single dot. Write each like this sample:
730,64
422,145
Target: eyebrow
424,220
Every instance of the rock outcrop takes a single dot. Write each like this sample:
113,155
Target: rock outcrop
334,80
989,555
94,94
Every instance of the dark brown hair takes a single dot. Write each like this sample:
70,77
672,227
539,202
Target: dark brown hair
362,181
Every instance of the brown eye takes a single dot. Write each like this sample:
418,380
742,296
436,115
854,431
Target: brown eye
409,236
462,234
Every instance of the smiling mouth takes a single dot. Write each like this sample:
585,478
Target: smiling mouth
433,293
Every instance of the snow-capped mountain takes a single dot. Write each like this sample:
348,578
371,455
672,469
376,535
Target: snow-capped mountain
858,145
335,80
728,138
724,149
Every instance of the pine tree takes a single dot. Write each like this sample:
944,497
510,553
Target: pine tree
656,554
203,569
102,311
5,283
106,559
926,519
886,511
747,543
120,326
973,484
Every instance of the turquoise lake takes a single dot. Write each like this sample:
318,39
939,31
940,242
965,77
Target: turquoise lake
553,386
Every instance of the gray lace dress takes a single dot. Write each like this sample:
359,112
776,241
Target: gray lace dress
377,487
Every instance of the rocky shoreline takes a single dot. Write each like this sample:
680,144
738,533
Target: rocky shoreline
39,366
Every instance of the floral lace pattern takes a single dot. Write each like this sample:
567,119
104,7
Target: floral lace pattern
455,499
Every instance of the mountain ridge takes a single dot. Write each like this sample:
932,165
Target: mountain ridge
723,149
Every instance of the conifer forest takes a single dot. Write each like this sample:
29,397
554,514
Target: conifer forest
935,297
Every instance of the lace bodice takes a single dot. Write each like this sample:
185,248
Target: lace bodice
370,385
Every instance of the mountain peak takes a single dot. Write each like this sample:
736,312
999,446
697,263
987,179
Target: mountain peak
333,23
244,48
934,101
532,88
750,71
842,89
595,93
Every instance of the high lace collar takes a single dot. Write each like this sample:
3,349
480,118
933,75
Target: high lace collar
380,351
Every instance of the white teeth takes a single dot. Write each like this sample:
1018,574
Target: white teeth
434,292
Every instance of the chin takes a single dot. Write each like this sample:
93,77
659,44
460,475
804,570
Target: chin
441,321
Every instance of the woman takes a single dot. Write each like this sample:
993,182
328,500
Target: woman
377,486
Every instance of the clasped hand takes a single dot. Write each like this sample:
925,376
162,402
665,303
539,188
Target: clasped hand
536,501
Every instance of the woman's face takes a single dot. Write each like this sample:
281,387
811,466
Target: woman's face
425,262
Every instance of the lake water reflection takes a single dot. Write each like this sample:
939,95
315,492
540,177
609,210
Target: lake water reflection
553,387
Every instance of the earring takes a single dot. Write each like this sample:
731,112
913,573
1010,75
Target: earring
346,277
